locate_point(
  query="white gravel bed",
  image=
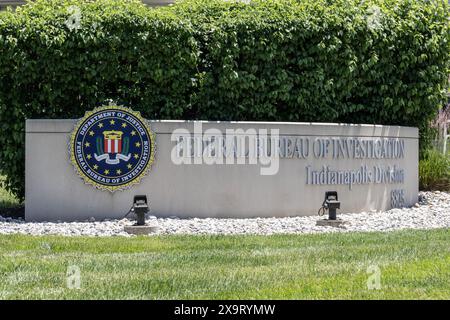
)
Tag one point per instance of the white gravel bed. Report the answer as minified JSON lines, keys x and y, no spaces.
{"x":433,"y":211}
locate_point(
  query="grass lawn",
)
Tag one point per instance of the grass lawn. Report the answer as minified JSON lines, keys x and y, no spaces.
{"x":412,"y":264}
{"x":9,"y":205}
{"x":7,"y":200}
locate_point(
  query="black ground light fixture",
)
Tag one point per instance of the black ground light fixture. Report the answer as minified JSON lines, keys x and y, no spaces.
{"x":331,"y":203}
{"x":140,"y":208}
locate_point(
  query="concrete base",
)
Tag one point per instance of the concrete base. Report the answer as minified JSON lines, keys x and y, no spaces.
{"x":141,"y":230}
{"x":54,"y":191}
{"x":338,"y":223}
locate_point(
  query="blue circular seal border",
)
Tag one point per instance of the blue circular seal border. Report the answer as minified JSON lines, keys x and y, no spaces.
{"x":112,"y":148}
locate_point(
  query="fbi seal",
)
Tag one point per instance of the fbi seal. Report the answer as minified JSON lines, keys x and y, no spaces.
{"x":112,"y":148}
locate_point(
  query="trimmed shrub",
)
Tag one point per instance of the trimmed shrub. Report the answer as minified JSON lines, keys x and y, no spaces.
{"x":382,"y":62}
{"x":55,"y":63}
{"x":434,"y":171}
{"x":375,"y":61}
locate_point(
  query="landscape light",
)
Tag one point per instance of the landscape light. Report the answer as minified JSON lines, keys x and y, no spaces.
{"x":140,"y":208}
{"x":331,"y":203}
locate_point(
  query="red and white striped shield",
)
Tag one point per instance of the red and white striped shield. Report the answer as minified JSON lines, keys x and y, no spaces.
{"x":113,"y":141}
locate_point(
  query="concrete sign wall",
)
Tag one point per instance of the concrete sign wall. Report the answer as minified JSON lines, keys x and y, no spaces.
{"x":232,"y":169}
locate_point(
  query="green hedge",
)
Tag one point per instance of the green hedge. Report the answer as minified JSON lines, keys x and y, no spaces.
{"x":377,"y":62}
{"x":122,"y":51}
{"x":372,"y":61}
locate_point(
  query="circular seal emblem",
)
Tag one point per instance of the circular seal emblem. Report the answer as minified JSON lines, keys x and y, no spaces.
{"x":112,"y":148}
